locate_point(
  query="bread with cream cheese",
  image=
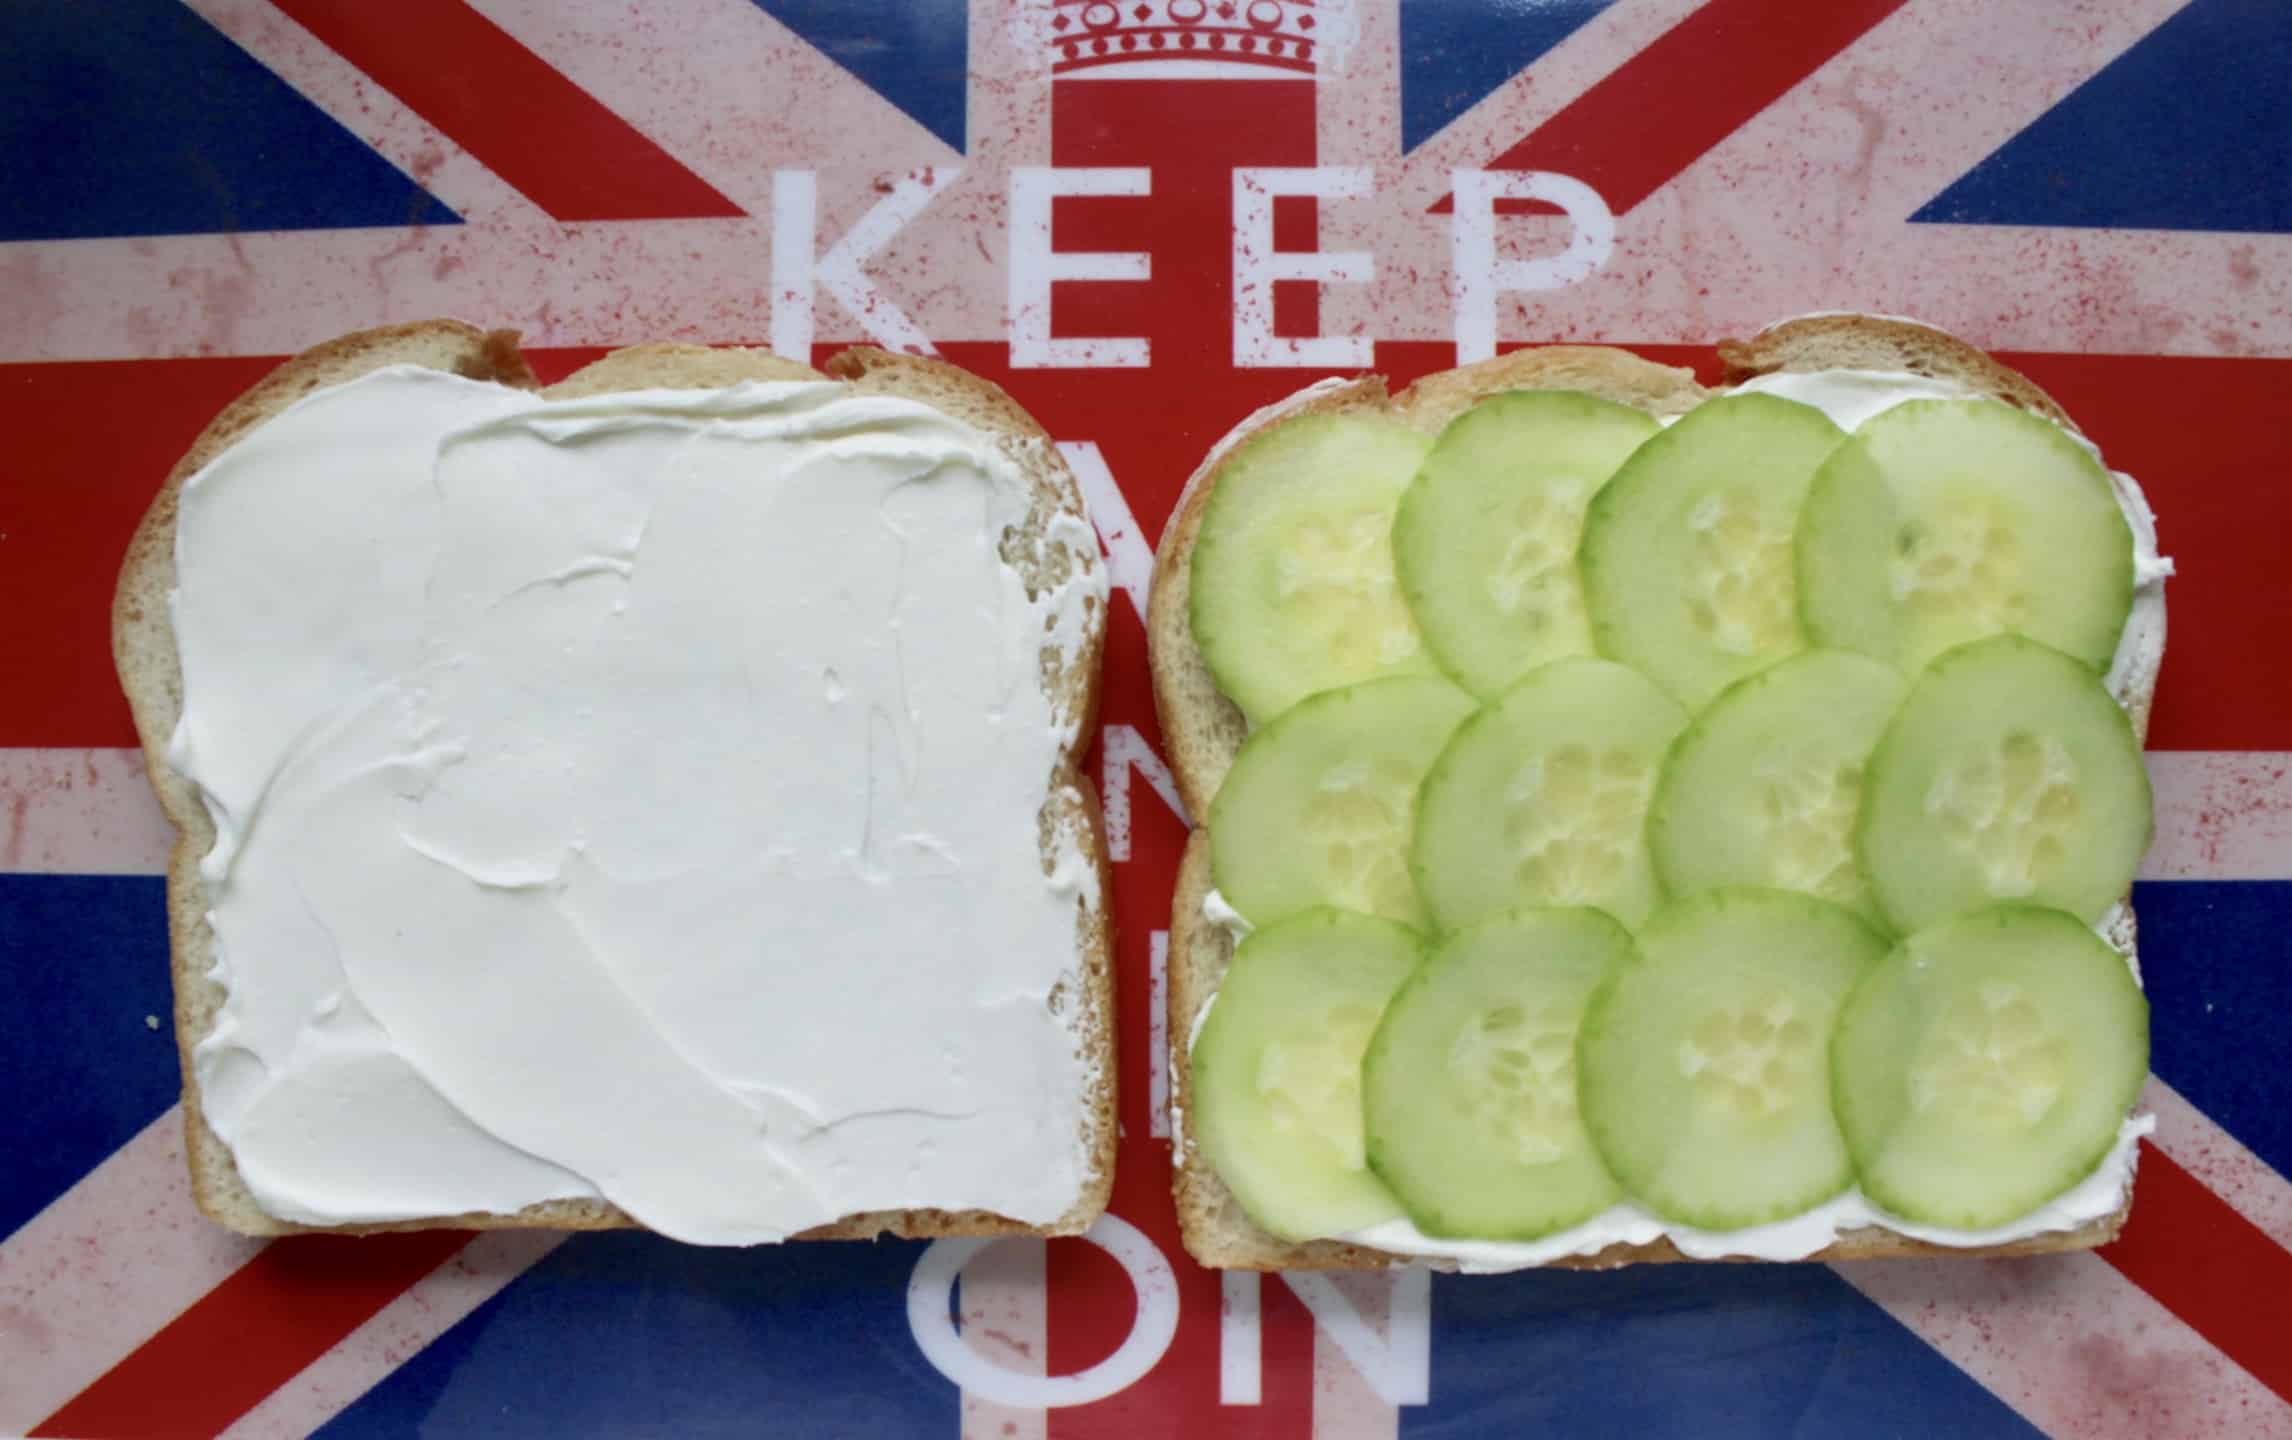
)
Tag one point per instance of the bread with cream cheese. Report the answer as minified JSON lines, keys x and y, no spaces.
{"x":1203,"y":730}
{"x":150,"y":672}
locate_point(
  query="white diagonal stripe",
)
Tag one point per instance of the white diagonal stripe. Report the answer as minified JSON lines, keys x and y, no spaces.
{"x":2073,"y":1346}
{"x":396,"y":1333}
{"x":714,"y":91}
{"x":435,"y":161}
{"x":105,"y":1267}
{"x":1807,"y":204}
{"x":2220,"y":1162}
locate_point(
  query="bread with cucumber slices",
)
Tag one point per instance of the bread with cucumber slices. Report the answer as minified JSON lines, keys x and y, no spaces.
{"x":1360,"y":473}
{"x":1067,"y":825}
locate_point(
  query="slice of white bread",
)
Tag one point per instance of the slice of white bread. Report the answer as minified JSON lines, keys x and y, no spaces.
{"x":143,"y":644}
{"x":1203,"y":730}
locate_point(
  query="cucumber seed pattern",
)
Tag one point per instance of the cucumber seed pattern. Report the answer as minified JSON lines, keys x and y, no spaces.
{"x":1807,"y":806}
{"x":1310,"y":1083}
{"x":1744,"y":598}
{"x":1535,"y":580}
{"x":1573,"y":817}
{"x":1751,"y":1063}
{"x":1360,"y":819}
{"x":1335,"y":580}
{"x":1992,"y":1060}
{"x":1966,"y":566}
{"x":1519,"y":1067}
{"x":2011,"y":811}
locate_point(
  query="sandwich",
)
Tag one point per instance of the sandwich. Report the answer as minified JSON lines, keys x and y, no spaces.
{"x":649,"y":800}
{"x":1643,"y":822}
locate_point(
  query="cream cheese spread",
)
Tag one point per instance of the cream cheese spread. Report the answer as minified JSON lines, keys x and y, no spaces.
{"x":1850,"y":398}
{"x":2098,"y":1194}
{"x":637,"y":798}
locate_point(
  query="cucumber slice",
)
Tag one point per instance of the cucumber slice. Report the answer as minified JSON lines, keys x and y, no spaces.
{"x":1687,"y":551}
{"x":1945,"y":521}
{"x":1485,"y":539}
{"x":1765,"y":786}
{"x":1985,"y":1067}
{"x":1320,"y":805}
{"x":1702,"y":1068}
{"x":1541,"y":798}
{"x":1293,"y":588}
{"x":2008,"y":774}
{"x":1469,"y":1088}
{"x":1277,"y":1070}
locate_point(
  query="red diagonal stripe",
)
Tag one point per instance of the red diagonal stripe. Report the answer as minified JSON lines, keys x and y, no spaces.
{"x":282,"y":1310}
{"x":1666,"y":107}
{"x":2210,"y":1266}
{"x":530,"y":125}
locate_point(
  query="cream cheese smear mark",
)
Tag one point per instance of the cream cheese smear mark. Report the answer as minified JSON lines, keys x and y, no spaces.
{"x":634,"y":798}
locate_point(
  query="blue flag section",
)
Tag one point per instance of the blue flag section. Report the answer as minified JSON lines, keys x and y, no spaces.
{"x":87,"y":956}
{"x":1455,"y":53}
{"x":2218,"y":998}
{"x":2137,"y":147}
{"x":137,"y":117}
{"x":914,"y":53}
{"x":629,"y":1334}
{"x":1711,"y":1351}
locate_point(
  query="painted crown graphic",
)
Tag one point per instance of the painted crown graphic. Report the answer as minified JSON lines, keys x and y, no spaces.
{"x":1273,"y":35}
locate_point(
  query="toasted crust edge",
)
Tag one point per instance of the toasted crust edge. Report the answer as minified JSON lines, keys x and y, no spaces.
{"x":1883,"y":342}
{"x":1211,"y":1223}
{"x":144,"y":652}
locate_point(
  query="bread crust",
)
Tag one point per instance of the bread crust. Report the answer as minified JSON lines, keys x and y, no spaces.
{"x":143,"y":643}
{"x":1883,"y":343}
{"x":1204,"y":734}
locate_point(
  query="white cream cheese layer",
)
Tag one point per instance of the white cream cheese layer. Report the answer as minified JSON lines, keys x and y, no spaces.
{"x":2098,"y":1194}
{"x":633,"y":798}
{"x":1850,"y":398}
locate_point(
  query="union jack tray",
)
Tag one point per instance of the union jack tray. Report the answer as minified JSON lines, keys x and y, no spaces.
{"x":1145,"y":219}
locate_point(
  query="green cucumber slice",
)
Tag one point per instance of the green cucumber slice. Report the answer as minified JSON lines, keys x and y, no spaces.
{"x":1277,"y":1070}
{"x":1944,"y":521}
{"x":1702,"y":1068}
{"x":1320,"y":805}
{"x":1986,"y":1066}
{"x":1686,"y":556}
{"x":2008,"y":774}
{"x":1292,"y":573}
{"x":1485,"y":539}
{"x":1469,"y":1088}
{"x":1541,"y":798}
{"x":1764,"y":788}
